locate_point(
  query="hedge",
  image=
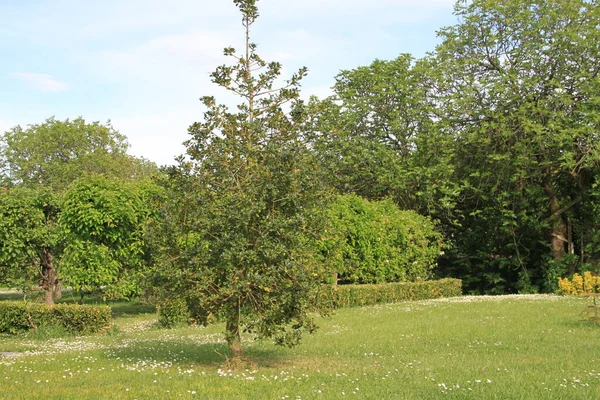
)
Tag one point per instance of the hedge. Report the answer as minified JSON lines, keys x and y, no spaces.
{"x":339,"y":296}
{"x":329,"y":297}
{"x":18,"y":316}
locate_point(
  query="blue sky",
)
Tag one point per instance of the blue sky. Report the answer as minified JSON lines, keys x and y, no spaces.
{"x":143,"y":64}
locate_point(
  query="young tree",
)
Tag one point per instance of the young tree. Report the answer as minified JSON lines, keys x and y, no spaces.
{"x":244,"y":252}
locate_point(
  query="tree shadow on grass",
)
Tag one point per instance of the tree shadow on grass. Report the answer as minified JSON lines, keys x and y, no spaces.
{"x":581,"y":323}
{"x":189,"y":354}
{"x":133,"y":308}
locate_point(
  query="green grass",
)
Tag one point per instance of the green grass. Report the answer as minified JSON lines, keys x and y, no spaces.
{"x":486,"y":348}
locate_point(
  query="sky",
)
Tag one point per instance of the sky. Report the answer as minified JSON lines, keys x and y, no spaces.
{"x":144,"y":64}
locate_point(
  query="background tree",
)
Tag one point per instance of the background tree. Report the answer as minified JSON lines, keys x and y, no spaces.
{"x":55,"y":153}
{"x":520,"y":94}
{"x":378,"y":136}
{"x":103,"y":222}
{"x":247,"y":253}
{"x":46,"y":159}
{"x":29,"y":238}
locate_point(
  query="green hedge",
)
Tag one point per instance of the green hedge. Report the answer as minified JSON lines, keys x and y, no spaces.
{"x":339,"y":296}
{"x":18,"y":316}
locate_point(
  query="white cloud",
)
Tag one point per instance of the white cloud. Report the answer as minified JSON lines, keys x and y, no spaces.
{"x":141,"y":15}
{"x":166,"y":59}
{"x":43,"y":82}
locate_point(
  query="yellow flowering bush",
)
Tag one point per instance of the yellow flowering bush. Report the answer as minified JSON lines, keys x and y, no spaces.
{"x":587,"y":284}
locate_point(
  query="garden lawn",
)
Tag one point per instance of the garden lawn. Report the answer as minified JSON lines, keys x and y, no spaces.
{"x":507,"y":347}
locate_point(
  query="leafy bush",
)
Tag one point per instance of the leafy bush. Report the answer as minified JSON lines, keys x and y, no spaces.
{"x":18,"y":316}
{"x":376,"y":242}
{"x":103,"y":221}
{"x":339,"y":296}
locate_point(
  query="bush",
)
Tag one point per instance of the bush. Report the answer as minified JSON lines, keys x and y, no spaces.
{"x":376,"y":242}
{"x":18,"y":316}
{"x":339,"y":296}
{"x":579,"y":285}
{"x":586,"y":285}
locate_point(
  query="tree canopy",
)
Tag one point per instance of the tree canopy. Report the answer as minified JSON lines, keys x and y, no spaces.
{"x":55,"y":153}
{"x":103,"y":222}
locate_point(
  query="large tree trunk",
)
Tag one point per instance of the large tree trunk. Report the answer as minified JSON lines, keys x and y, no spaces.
{"x":50,"y":279}
{"x":558,"y":227}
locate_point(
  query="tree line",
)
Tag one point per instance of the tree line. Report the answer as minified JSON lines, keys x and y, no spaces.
{"x":477,"y":161}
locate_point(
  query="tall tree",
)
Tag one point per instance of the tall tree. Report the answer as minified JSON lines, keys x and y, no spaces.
{"x":520,"y":90}
{"x":244,"y":252}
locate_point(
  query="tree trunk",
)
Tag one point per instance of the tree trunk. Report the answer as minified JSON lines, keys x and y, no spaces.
{"x":570,"y":236}
{"x":232,"y":328}
{"x":558,"y":228}
{"x":50,"y":279}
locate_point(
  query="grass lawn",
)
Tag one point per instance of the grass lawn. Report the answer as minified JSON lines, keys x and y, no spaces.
{"x":509,"y":347}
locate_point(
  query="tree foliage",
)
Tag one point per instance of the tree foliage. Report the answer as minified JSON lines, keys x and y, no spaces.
{"x":375,"y":242}
{"x":55,"y":153}
{"x":103,"y":222}
{"x":520,"y":88}
{"x":378,"y":136}
{"x":88,"y":238}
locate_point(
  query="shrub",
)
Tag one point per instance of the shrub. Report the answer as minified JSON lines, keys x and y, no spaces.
{"x":376,"y":242}
{"x":586,"y":285}
{"x":579,"y":285}
{"x":339,"y":296}
{"x":18,"y":316}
